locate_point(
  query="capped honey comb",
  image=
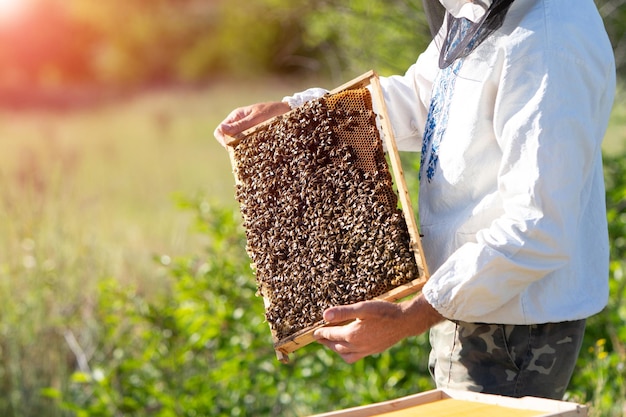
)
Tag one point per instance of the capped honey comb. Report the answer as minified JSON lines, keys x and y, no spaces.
{"x":322,"y":220}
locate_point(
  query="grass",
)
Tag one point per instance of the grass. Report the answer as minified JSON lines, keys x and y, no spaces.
{"x":111,"y":174}
{"x":90,"y":194}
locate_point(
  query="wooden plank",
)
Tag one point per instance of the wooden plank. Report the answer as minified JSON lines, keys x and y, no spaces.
{"x":388,"y":406}
{"x":450,"y":407}
{"x":564,"y":408}
{"x":359,"y":82}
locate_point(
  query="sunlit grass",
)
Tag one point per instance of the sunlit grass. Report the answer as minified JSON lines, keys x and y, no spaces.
{"x":113,"y":172}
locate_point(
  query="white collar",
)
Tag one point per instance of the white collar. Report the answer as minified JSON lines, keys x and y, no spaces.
{"x":472,"y":10}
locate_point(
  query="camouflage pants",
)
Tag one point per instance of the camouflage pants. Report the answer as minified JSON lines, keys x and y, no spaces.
{"x":511,"y":360}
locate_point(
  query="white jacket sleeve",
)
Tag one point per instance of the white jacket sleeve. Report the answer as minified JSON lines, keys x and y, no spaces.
{"x":407,"y":99}
{"x":298,"y":99}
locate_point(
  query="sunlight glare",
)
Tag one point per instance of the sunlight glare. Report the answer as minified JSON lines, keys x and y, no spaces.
{"x":11,"y":9}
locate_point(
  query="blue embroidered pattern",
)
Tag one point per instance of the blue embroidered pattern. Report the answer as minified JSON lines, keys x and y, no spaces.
{"x":437,"y":119}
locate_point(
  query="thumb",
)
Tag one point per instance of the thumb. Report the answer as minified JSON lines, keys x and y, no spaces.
{"x":343,"y":313}
{"x":230,"y":128}
{"x":360,"y":310}
{"x":222,"y":132}
{"x":235,"y":126}
{"x":236,"y":121}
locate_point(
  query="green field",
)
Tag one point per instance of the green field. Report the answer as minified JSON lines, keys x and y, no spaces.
{"x":92,"y":194}
{"x":107,"y":178}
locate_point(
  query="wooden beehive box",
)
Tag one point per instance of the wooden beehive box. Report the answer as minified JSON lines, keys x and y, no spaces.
{"x":320,"y":209}
{"x":451,"y":403}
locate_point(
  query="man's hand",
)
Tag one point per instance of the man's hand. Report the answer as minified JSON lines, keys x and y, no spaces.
{"x":246,"y":117}
{"x":375,"y":326}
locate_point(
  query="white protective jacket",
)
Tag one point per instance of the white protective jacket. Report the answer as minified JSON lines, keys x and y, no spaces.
{"x":511,"y":200}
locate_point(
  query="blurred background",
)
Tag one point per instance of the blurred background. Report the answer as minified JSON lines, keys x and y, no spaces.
{"x":125,"y":286}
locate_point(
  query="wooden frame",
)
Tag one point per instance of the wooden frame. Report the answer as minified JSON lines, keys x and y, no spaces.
{"x":463,"y":404}
{"x":299,"y":339}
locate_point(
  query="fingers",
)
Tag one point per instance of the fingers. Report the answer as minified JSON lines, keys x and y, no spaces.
{"x":219,"y":135}
{"x":234,"y":123}
{"x":361,"y":310}
{"x":343,"y":349}
{"x":238,"y":121}
{"x":339,"y":334}
{"x":337,"y":338}
{"x":244,"y":118}
{"x":223,"y":131}
{"x":371,"y":328}
{"x":340,"y":314}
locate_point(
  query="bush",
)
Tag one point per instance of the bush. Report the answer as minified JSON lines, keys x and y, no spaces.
{"x":601,"y":376}
{"x":204,"y":349}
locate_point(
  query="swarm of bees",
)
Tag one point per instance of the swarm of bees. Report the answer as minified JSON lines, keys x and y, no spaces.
{"x":321,"y":217}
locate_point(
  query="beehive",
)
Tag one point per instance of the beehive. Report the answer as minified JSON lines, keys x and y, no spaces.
{"x":453,"y":403}
{"x":321,"y":214}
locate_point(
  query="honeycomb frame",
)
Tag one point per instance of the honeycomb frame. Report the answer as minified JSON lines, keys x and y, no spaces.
{"x":365,"y":152}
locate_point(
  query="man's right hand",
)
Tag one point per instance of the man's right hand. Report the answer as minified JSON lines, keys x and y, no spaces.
{"x":246,"y":117}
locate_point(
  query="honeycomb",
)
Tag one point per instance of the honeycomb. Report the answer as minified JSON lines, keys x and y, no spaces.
{"x":320,"y":212}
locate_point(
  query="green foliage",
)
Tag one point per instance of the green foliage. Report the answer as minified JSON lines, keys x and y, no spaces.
{"x":363,"y":34}
{"x":139,"y":42}
{"x":250,"y":45}
{"x":135,"y":42}
{"x":601,"y":376}
{"x":614,"y":14}
{"x":122,"y":43}
{"x":204,"y":349}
